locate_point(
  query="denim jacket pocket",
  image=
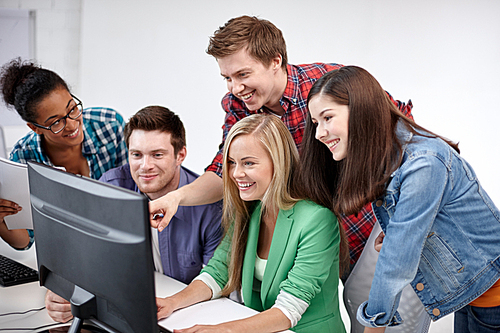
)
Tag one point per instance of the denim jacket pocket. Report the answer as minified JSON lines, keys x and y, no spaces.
{"x":440,"y":262}
{"x":384,"y":208}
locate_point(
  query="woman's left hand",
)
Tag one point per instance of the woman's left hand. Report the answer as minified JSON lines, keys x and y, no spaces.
{"x":378,"y":241}
{"x":225,"y":328}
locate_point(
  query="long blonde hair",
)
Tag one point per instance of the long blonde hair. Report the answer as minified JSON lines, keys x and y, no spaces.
{"x":282,"y":192}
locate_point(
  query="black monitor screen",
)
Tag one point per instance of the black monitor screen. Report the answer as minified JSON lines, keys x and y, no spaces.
{"x":93,"y":247}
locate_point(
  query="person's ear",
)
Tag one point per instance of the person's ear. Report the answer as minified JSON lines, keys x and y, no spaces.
{"x":181,"y":155}
{"x":34,"y":128}
{"x":277,"y":62}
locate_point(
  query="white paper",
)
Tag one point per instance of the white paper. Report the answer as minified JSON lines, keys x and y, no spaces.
{"x":14,"y":186}
{"x":207,"y":313}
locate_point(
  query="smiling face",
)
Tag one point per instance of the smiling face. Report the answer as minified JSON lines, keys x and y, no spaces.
{"x":331,"y":120}
{"x":256,"y":84}
{"x":250,"y":167}
{"x":153,"y":165}
{"x":52,"y":108}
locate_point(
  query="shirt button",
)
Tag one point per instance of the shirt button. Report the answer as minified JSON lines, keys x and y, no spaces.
{"x":436,"y":312}
{"x":379,"y":203}
{"x":420,"y":287}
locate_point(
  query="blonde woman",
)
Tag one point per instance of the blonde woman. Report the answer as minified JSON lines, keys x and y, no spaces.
{"x":279,"y":250}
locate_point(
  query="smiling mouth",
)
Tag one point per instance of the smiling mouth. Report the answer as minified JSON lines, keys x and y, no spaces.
{"x":74,"y":134}
{"x":147,"y":177}
{"x":332,"y":144}
{"x":247,"y":96}
{"x":245,"y":186}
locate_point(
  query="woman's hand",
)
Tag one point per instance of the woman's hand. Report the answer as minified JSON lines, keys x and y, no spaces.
{"x":374,"y":329}
{"x":8,"y":207}
{"x":17,"y":238}
{"x":378,"y":241}
{"x":224,"y":328}
{"x":165,"y":307}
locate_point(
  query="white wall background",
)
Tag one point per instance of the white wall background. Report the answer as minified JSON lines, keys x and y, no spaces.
{"x":443,"y":55}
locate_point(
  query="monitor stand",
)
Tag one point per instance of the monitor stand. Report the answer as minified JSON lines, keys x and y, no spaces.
{"x":83,"y":306}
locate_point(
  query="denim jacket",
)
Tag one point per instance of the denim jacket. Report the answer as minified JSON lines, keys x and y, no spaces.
{"x":442,"y":234}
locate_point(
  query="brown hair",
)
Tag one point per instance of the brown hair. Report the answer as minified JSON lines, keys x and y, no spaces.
{"x":159,"y":118}
{"x":262,"y":39}
{"x":373,"y":151}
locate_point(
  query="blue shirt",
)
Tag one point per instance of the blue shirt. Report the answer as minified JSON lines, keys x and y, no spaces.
{"x":103,"y":144}
{"x":442,"y":234}
{"x":193,"y":234}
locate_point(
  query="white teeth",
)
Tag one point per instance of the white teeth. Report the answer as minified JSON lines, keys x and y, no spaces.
{"x":332,"y":143}
{"x":244,"y":185}
{"x":247,"y":96}
{"x":74,"y":133}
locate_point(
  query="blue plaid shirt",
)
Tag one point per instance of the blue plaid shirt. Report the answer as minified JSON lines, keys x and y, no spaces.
{"x":103,"y":145}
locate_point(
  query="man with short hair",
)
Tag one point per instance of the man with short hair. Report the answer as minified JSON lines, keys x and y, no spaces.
{"x":156,"y":142}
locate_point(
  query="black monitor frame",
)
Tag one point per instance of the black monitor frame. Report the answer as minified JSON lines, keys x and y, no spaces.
{"x":93,"y":247}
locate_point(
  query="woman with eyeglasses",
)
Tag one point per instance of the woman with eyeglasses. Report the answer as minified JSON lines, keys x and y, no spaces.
{"x":86,"y":142}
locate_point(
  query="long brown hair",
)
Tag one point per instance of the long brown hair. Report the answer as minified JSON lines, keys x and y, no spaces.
{"x":373,"y":151}
{"x":283,"y":191}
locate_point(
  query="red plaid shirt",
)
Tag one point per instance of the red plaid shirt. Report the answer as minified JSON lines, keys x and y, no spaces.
{"x":294,"y":101}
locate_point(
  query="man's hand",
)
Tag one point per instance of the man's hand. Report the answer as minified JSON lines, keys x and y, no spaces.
{"x":166,"y":206}
{"x":378,"y":241}
{"x":58,"y":308}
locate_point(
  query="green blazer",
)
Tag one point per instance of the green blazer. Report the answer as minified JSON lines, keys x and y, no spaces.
{"x":303,"y":261}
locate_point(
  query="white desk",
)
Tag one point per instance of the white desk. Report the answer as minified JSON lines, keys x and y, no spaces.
{"x":30,"y":296}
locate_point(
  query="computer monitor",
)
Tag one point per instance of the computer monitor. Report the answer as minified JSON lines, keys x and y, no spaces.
{"x":93,"y":247}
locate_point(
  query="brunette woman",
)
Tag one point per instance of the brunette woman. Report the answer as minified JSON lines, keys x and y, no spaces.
{"x":442,"y":231}
{"x":63,"y":134}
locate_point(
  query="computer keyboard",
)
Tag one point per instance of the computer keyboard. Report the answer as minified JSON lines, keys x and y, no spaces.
{"x":13,"y":272}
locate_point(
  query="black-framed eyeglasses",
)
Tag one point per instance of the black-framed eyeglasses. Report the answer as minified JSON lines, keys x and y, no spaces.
{"x":58,"y":125}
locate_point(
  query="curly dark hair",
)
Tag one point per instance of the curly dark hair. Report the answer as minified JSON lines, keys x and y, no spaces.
{"x":24,"y":84}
